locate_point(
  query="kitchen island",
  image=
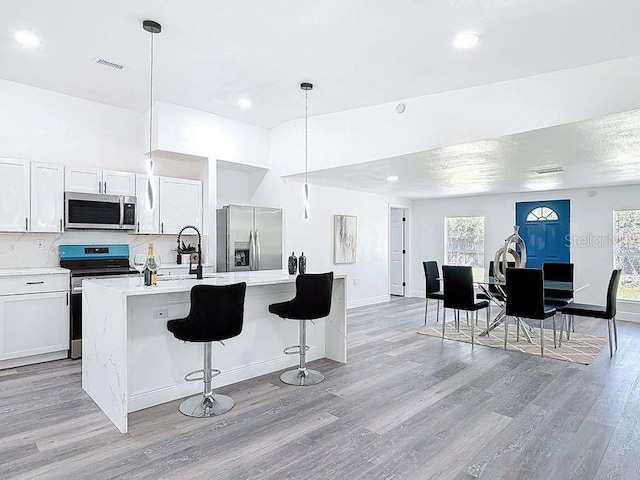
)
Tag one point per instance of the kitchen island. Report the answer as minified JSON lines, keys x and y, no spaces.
{"x":130,"y":361}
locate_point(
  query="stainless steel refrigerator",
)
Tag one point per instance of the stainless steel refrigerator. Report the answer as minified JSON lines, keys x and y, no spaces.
{"x":249,"y":238}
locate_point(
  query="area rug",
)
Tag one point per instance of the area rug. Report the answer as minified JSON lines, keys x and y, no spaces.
{"x":581,"y":348}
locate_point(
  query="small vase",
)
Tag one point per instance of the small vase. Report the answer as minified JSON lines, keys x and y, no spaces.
{"x":293,"y":264}
{"x":302,"y":264}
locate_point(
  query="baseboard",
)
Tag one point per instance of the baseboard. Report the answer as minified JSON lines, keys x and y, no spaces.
{"x":184,"y":389}
{"x":363,"y":302}
{"x":628,"y":316}
{"x":416,"y":294}
{"x":30,"y":360}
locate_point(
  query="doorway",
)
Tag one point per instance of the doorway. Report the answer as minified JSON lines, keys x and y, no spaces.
{"x":397,"y":251}
{"x":545,"y":227}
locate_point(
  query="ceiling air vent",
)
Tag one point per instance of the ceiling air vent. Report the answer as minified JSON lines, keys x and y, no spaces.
{"x":107,"y":63}
{"x":546,"y":170}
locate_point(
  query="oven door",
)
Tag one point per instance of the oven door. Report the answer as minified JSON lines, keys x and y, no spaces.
{"x":98,"y":212}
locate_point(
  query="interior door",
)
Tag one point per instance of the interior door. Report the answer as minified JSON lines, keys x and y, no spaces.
{"x":268,"y":227}
{"x":397,"y":249}
{"x":545,"y":228}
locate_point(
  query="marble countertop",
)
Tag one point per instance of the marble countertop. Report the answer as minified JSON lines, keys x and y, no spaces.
{"x":15,"y":272}
{"x":130,"y":286}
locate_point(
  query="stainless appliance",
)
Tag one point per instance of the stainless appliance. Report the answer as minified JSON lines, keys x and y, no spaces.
{"x":99,"y":212}
{"x":85,"y":262}
{"x":249,"y":238}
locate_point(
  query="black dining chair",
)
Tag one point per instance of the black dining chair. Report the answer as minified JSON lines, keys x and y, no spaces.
{"x":558,"y":272}
{"x":432,"y":278}
{"x":459,"y":295}
{"x":606,"y":312}
{"x":525,"y":299}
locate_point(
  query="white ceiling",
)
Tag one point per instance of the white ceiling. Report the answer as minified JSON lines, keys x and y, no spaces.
{"x":357,"y":52}
{"x":598,"y":152}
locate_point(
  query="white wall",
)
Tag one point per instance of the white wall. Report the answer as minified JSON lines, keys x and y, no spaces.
{"x":315,"y":237}
{"x":458,"y":116}
{"x":591,"y":219}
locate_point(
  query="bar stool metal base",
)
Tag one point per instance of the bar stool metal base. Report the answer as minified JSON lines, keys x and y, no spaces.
{"x":301,"y":378}
{"x":206,"y":406}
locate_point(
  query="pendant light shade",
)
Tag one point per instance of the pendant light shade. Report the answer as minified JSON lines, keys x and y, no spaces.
{"x":306,"y":87}
{"x":153,"y":28}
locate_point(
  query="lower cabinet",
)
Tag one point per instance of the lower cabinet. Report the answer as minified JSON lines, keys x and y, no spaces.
{"x":33,"y":324}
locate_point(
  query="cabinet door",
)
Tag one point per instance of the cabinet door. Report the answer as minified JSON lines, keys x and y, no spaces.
{"x":118,"y":183}
{"x":180,"y":204}
{"x":148,"y":219}
{"x":14,"y":195}
{"x":33,"y":324}
{"x":47,"y":191}
{"x":83,"y":179}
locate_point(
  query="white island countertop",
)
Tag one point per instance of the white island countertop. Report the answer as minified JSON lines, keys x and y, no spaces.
{"x":19,"y":271}
{"x":130,"y":286}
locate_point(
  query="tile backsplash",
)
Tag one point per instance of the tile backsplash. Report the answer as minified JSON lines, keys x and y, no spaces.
{"x":19,"y":250}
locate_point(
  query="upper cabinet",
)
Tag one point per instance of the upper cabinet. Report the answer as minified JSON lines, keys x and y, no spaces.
{"x":96,"y":180}
{"x":47,"y":194}
{"x":14,"y":195}
{"x":148,"y":220}
{"x":180,"y":204}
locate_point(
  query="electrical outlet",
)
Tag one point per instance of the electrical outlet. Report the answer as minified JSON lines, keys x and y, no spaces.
{"x":355,"y":282}
{"x":161,"y":313}
{"x":40,"y":244}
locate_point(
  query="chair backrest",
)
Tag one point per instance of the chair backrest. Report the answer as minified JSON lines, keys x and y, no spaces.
{"x":431,"y":275}
{"x":559,"y":272}
{"x":525,"y":292}
{"x":313,"y":291}
{"x":612,"y":293}
{"x":458,"y":287}
{"x":494,"y":288}
{"x":217,"y":311}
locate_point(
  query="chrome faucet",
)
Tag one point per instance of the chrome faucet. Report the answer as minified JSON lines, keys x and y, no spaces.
{"x":198,"y":269}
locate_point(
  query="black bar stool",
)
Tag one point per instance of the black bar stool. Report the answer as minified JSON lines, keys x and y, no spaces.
{"x":216,"y":313}
{"x":312,"y":301}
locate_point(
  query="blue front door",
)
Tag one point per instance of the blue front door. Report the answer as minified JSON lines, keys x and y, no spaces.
{"x":544,"y":226}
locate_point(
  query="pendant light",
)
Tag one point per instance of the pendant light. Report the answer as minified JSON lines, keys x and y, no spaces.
{"x":153,"y":28}
{"x":306,"y":87}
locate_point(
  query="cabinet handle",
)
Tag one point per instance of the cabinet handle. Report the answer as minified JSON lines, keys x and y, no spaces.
{"x":60,"y":224}
{"x":35,"y":283}
{"x":105,"y":187}
{"x":162,"y":227}
{"x":99,"y":186}
{"x":138,"y":227}
{"x":26,"y":223}
{"x":67,"y":299}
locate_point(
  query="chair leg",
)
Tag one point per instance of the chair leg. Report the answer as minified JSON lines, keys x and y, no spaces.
{"x":438,"y":311}
{"x":472,"y":326}
{"x":426,"y":307}
{"x":561,"y":330}
{"x":467,"y":315}
{"x":444,"y":320}
{"x":569,"y":324}
{"x":610,"y":340}
{"x":488,"y":318}
{"x":302,"y":375}
{"x":615,"y":332}
{"x":517,"y":330}
{"x":555,"y":341}
{"x":542,"y":338}
{"x":506,"y":330}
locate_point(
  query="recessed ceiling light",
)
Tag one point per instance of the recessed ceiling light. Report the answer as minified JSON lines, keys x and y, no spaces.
{"x":244,"y":103}
{"x":466,"y":40}
{"x":28,"y":39}
{"x":392,"y":178}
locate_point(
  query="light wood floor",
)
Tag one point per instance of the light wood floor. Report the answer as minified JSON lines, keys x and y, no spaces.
{"x":406,"y":406}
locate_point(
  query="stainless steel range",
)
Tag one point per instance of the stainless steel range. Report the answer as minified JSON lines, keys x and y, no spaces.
{"x":85,"y":262}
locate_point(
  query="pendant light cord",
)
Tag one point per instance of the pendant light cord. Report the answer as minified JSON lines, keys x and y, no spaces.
{"x":151,"y":98}
{"x":306,"y":136}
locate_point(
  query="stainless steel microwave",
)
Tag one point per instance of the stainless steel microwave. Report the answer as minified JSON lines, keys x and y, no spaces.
{"x":91,"y":211}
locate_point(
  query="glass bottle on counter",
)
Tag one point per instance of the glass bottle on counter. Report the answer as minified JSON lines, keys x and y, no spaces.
{"x":150,"y":267}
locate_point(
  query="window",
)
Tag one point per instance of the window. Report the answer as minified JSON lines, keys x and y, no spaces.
{"x":626,"y":252}
{"x":464,"y":243}
{"x":542,"y":214}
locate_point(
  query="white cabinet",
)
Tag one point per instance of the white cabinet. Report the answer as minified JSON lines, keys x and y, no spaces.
{"x":148,"y":219}
{"x":47,"y":197}
{"x":96,"y":180}
{"x":34,"y":318}
{"x":14,"y":195}
{"x":180,"y":204}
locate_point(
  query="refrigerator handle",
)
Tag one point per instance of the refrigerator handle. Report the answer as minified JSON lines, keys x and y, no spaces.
{"x":257,"y":258}
{"x":252,"y":248}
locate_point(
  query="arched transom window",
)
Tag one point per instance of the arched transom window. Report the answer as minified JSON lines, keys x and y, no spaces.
{"x":542,"y":214}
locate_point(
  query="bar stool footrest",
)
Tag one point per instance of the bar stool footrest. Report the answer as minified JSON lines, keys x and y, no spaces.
{"x":295,"y":350}
{"x":188,"y":378}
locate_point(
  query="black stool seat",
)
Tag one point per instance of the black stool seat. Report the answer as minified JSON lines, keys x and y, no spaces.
{"x":312,"y":301}
{"x":216,"y":313}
